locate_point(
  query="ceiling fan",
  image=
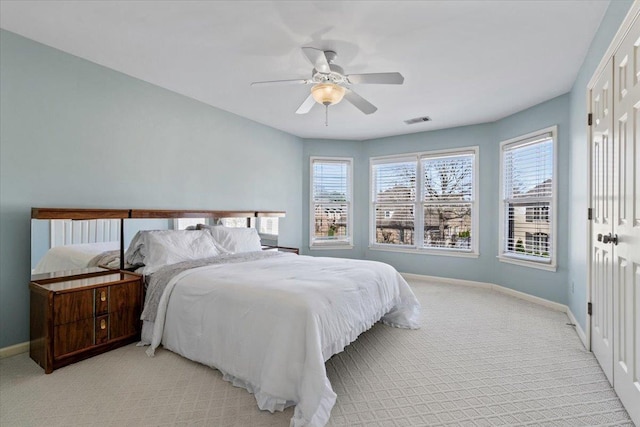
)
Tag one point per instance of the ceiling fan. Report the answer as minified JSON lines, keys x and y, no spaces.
{"x":331,"y":85}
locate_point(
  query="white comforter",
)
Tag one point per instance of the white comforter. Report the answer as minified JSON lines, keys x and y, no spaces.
{"x":269,"y":325}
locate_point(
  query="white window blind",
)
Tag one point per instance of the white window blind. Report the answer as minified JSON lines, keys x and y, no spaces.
{"x":331,"y":191}
{"x":268,"y":225}
{"x":425,"y":201}
{"x":528,"y":199}
{"x":236,"y":222}
{"x":448,"y":201}
{"x":394,"y":197}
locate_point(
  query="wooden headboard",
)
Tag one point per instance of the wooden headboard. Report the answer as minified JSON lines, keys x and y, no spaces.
{"x":163,"y":213}
{"x":80,"y":214}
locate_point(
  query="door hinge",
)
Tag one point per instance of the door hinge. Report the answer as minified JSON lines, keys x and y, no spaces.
{"x":590,"y":214}
{"x":590,"y":119}
{"x":589,"y":309}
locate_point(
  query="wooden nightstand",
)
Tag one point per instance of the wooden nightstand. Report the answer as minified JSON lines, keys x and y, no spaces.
{"x":77,"y":316}
{"x":281,"y":249}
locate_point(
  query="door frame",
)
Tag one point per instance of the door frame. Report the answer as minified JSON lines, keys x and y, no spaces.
{"x":632,"y":14}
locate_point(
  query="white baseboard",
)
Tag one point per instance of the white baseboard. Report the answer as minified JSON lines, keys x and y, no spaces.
{"x":579,"y":331}
{"x":492,"y":286}
{"x":498,"y":288}
{"x":12,"y":350}
{"x":536,"y":300}
{"x":447,"y":280}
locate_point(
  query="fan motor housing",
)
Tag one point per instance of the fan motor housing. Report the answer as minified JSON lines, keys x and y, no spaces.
{"x":335,"y":76}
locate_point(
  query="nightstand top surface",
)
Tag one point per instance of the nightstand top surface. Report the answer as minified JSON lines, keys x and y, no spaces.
{"x":74,"y":283}
{"x":56,"y":275}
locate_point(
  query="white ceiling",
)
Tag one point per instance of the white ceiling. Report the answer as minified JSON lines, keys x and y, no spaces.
{"x":464,"y":62}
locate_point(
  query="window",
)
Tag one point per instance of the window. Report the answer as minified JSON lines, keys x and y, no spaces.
{"x":425,"y":202}
{"x":528,"y":191}
{"x":448,"y":201}
{"x":237,"y":222}
{"x":268,"y":225}
{"x":394,"y":201}
{"x":331,"y":193}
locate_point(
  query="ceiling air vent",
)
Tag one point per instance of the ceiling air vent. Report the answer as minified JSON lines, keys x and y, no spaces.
{"x":418,"y":120}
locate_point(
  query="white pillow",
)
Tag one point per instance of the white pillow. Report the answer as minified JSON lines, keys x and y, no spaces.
{"x":155,"y":249}
{"x":235,"y":240}
{"x":133,"y":255}
{"x":137,"y":250}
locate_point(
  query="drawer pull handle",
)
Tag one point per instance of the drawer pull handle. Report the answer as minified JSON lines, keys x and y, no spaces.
{"x":103,"y":324}
{"x":103,"y":296}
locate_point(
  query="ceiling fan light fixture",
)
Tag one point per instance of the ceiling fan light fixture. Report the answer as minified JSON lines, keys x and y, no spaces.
{"x":327,"y":93}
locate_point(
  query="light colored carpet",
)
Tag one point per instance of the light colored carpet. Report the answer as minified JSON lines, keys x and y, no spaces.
{"x":481,"y":359}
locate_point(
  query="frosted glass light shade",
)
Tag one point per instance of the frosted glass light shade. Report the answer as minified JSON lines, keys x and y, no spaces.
{"x":327,"y":93}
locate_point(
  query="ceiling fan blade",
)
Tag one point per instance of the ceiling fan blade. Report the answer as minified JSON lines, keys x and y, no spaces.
{"x":376,"y":78}
{"x":306,"y":105}
{"x":282,"y":82}
{"x":359,"y":102}
{"x":317,"y":58}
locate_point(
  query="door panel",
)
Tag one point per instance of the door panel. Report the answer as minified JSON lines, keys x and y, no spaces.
{"x":626,"y":254}
{"x":602,"y":225}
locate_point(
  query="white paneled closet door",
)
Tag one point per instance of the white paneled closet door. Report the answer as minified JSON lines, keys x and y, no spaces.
{"x":601,"y":202}
{"x":615,"y":200}
{"x":626,"y":226}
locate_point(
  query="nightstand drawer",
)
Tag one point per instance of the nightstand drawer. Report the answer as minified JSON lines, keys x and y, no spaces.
{"x":102,"y":301}
{"x":124,"y":323}
{"x":72,"y":337}
{"x":102,"y":329}
{"x":125,"y":296}
{"x":72,"y":307}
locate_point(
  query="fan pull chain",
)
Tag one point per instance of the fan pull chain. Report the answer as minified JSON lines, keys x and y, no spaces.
{"x":326,"y":115}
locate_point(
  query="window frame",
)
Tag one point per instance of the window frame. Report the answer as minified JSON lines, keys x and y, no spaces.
{"x":419,"y":203}
{"x":347,"y":242}
{"x":527,"y":260}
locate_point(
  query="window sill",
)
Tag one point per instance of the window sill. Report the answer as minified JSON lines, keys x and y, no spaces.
{"x":414,"y":250}
{"x":525,"y":263}
{"x":333,"y":246}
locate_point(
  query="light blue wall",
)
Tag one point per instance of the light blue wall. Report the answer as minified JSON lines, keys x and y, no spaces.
{"x":77,"y":134}
{"x":544,"y":284}
{"x":578,"y":262}
{"x":486,"y":268}
{"x":479,"y":269}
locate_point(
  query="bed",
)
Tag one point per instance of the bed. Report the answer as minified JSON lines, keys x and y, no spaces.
{"x":267,"y":320}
